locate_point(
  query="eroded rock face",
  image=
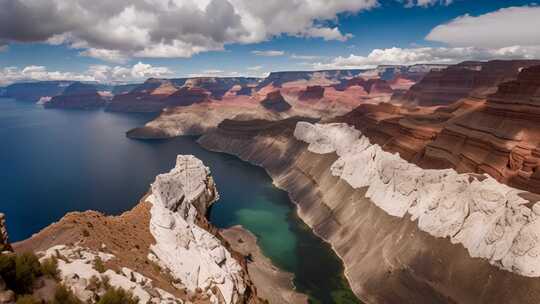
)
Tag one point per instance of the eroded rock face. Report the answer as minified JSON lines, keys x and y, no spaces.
{"x":500,"y":138}
{"x":187,"y":96}
{"x":491,"y":220}
{"x":180,"y":200}
{"x":147,"y":97}
{"x":477,"y":79}
{"x":274,"y":101}
{"x":164,"y":250}
{"x":312,"y":93}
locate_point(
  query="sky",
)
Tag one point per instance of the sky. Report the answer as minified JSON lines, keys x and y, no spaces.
{"x":131,"y":40}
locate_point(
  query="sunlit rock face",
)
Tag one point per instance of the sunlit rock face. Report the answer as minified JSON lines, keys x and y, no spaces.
{"x":197,"y":258}
{"x":491,"y":220}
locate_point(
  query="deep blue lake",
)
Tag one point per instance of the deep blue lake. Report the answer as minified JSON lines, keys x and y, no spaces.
{"x":55,"y":161}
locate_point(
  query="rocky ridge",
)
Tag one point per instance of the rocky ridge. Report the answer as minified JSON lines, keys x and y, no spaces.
{"x":180,"y":200}
{"x":163,"y":251}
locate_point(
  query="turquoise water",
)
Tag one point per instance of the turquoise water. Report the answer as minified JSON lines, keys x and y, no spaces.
{"x":55,"y":161}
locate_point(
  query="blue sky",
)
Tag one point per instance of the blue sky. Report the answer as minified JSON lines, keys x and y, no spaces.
{"x":382,"y":25}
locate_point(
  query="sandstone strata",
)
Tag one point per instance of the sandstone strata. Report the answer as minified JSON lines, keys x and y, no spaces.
{"x":497,"y":135}
{"x":390,"y":259}
{"x":477,"y":79}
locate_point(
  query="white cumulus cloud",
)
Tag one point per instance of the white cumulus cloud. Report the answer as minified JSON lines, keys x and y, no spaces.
{"x":114,"y":30}
{"x":444,"y":55}
{"x":502,"y":28}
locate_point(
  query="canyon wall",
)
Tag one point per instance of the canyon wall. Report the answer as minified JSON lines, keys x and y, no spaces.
{"x":497,"y":135}
{"x":391,"y":255}
{"x":470,"y":78}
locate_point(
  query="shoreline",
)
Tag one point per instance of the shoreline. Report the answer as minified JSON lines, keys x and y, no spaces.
{"x":298,"y":213}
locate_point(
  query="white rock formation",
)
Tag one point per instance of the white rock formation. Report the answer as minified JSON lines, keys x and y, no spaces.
{"x":488,"y":218}
{"x":197,"y":258}
{"x":76,"y":265}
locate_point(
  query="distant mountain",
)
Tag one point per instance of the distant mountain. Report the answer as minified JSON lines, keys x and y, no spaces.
{"x":155,"y":94}
{"x":77,"y":96}
{"x":33,"y":91}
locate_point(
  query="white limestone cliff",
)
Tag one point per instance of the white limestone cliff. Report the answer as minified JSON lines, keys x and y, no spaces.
{"x":193,"y":255}
{"x":491,"y":220}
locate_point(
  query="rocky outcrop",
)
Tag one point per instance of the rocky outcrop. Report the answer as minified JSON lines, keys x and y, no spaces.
{"x":163,"y":251}
{"x":312,"y":93}
{"x":476,"y":79}
{"x":180,"y":200}
{"x":388,"y":258}
{"x":4,"y":238}
{"x":274,"y":101}
{"x":6,"y":296}
{"x":77,"y":96}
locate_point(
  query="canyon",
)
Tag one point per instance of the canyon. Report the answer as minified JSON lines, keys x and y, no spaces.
{"x":423,"y":179}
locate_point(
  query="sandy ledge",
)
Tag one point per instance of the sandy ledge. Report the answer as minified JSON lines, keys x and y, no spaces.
{"x":273,"y":284}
